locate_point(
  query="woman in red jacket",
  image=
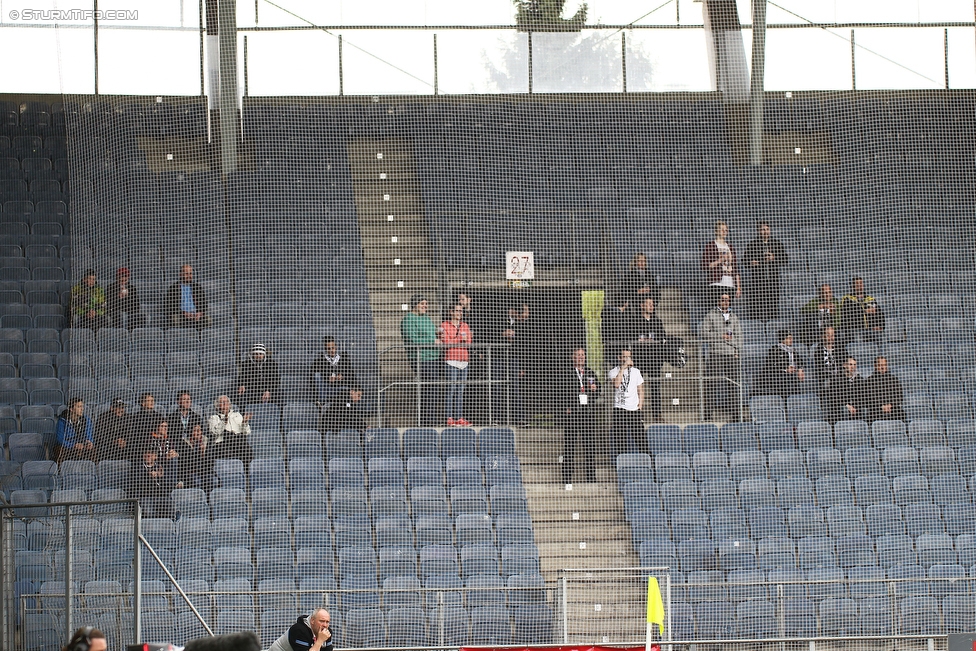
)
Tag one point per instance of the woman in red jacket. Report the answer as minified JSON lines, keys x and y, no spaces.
{"x":456,"y":335}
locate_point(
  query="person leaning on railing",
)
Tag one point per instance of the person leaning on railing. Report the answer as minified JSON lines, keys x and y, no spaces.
{"x":419,"y":337}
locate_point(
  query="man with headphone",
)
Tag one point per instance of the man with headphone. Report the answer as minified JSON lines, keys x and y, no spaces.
{"x":87,"y":638}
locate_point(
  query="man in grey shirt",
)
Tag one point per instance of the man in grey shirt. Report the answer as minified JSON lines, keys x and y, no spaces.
{"x":722,"y":332}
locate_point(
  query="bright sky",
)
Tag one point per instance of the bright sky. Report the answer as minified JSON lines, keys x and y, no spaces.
{"x":136,"y":57}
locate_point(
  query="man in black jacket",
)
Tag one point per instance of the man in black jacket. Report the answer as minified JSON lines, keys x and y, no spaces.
{"x":578,"y":390}
{"x":310,"y":633}
{"x":186,"y":303}
{"x":849,"y":400}
{"x":765,"y":257}
{"x":332,"y":373}
{"x":112,"y":433}
{"x":883,"y":393}
{"x":648,"y":336}
{"x":782,"y":373}
{"x":345,"y":414}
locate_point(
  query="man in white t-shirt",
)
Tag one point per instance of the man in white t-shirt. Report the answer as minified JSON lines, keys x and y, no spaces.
{"x":628,"y":401}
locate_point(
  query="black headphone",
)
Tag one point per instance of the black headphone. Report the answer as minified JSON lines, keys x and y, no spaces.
{"x":81,"y":641}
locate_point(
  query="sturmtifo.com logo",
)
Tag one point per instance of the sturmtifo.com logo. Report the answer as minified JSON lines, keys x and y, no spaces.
{"x":73,"y":15}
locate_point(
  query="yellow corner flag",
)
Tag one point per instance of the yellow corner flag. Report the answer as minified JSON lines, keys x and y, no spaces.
{"x":655,"y":605}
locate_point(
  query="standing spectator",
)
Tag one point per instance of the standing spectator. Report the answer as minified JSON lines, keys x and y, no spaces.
{"x":628,"y":402}
{"x":88,"y":303}
{"x":507,"y":365}
{"x":74,"y":433}
{"x":848,"y":394}
{"x":649,"y":337}
{"x":827,"y":362}
{"x":122,"y":305}
{"x":259,"y":378}
{"x":112,"y":433}
{"x":332,"y":373}
{"x":456,"y":335}
{"x":615,"y":324}
{"x":196,"y":460}
{"x":860,"y":317}
{"x":151,"y":482}
{"x":229,"y":432}
{"x":818,"y":314}
{"x":578,"y":391}
{"x":765,"y":258}
{"x":186,"y":302}
{"x":638,"y":283}
{"x":144,"y":422}
{"x":782,"y":374}
{"x":720,"y":266}
{"x":475,"y":394}
{"x":184,"y":418}
{"x":345,"y":414}
{"x":722,"y":332}
{"x":420,"y":339}
{"x":883,"y":393}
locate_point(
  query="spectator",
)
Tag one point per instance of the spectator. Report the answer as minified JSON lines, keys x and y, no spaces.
{"x":722,"y":332}
{"x":186,"y":302}
{"x":122,"y":305}
{"x":112,"y":433}
{"x":151,"y":482}
{"x":507,"y":365}
{"x":860,"y":317}
{"x":159,"y":440}
{"x":720,"y":266}
{"x":456,"y":335}
{"x":628,"y":401}
{"x":144,"y":422}
{"x":883,"y":394}
{"x":92,"y":639}
{"x":578,"y":392}
{"x":765,"y":258}
{"x":848,"y":395}
{"x":782,"y":374}
{"x":638,"y":283}
{"x":185,"y":417}
{"x":826,"y":365}
{"x":475,"y":393}
{"x":649,"y":337}
{"x":818,"y":314}
{"x":74,"y":433}
{"x":196,"y":460}
{"x":229,"y":431}
{"x":259,"y":378}
{"x":88,"y":303}
{"x":310,"y":633}
{"x":332,"y":373}
{"x":419,"y":338}
{"x":615,"y":324}
{"x":345,"y":414}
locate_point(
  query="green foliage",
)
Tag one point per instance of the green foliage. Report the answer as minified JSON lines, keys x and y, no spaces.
{"x":547,"y":16}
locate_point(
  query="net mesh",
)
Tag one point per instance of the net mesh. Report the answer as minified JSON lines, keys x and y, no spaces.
{"x":356,"y":292}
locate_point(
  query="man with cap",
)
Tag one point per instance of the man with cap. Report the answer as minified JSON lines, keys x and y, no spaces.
{"x":259,"y":378}
{"x":88,"y":303}
{"x":420,"y":339}
{"x":112,"y":433}
{"x":122,"y":305}
{"x":332,"y":373}
{"x":186,"y":303}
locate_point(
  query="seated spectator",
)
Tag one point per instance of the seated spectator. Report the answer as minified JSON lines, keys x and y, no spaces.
{"x":638,"y":283}
{"x":883,"y":393}
{"x":229,"y":430}
{"x":861,"y":319}
{"x":185,"y":305}
{"x":184,"y":418}
{"x":648,"y":349}
{"x":849,"y":401}
{"x":122,"y":305}
{"x":782,"y":374}
{"x":345,"y":414}
{"x":420,"y":339}
{"x":196,"y":460}
{"x":827,"y":360}
{"x":722,"y":332}
{"x":112,"y":433}
{"x":151,"y":482}
{"x":74,"y":433}
{"x":259,"y":378}
{"x":159,"y":440}
{"x":456,"y":335}
{"x":332,"y":373}
{"x":818,"y":314}
{"x":143,"y":422}
{"x":720,"y":266}
{"x":88,"y":303}
{"x":765,"y":257}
